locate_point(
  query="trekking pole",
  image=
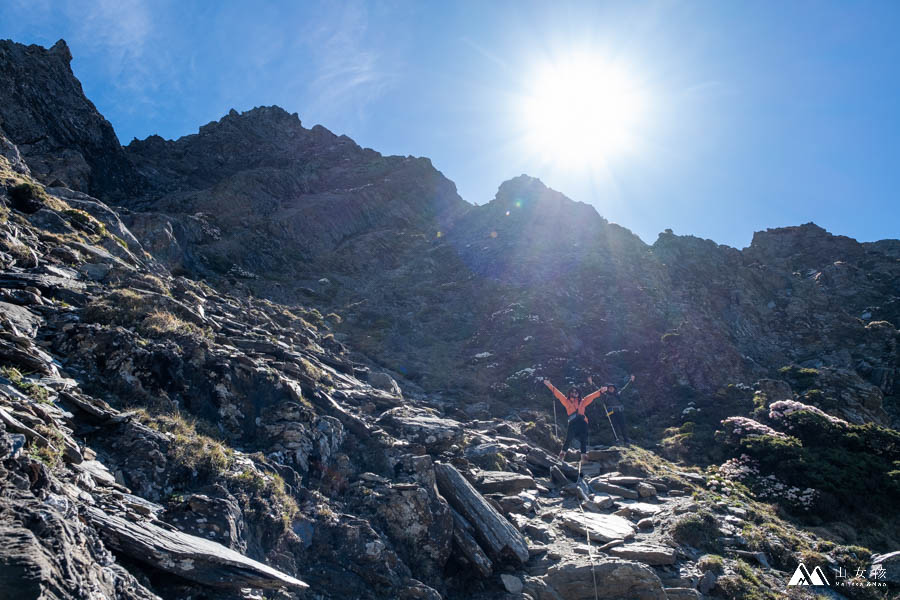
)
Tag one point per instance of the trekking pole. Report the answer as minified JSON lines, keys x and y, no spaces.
{"x":606,"y":410}
{"x":555,"y":424}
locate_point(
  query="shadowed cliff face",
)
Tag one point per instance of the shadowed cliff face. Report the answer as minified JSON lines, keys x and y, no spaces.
{"x":259,"y":191}
{"x":258,"y":204}
{"x":58,"y":131}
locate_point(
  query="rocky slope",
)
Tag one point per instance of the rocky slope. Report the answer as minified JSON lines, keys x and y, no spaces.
{"x":179,"y":419}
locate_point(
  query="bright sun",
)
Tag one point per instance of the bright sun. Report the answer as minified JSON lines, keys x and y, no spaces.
{"x":581,"y":111}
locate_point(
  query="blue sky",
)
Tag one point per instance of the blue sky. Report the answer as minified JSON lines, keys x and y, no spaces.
{"x":755,"y":114}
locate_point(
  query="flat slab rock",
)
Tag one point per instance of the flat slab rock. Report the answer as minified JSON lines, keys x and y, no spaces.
{"x":188,"y":556}
{"x":625,"y":480}
{"x":649,"y":554}
{"x":25,"y":321}
{"x":504,"y":482}
{"x":420,"y":426}
{"x":600,"y":527}
{"x":641,"y":509}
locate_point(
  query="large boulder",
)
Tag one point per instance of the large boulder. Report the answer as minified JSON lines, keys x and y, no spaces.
{"x":383,"y":381}
{"x":217,"y":519}
{"x":418,"y":520}
{"x":573,"y":579}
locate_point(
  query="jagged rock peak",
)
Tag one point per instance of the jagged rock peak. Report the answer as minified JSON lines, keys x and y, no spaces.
{"x":59,"y":132}
{"x":543,"y":208}
{"x":526,"y":194}
{"x":61,"y":48}
{"x":809,"y":245}
{"x":258,"y":118}
{"x":262,"y":122}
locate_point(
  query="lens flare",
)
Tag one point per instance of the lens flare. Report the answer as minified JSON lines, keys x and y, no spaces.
{"x":582,"y":110}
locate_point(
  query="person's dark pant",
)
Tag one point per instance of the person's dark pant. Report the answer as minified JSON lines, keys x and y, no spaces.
{"x":578,"y":428}
{"x":618,"y":421}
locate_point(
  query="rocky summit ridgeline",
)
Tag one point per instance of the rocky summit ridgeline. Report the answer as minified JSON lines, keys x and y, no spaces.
{"x":261,"y":361}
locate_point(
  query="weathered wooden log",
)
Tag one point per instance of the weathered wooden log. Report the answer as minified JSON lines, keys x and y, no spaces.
{"x":187,"y":556}
{"x":466,"y":545}
{"x":494,"y":533}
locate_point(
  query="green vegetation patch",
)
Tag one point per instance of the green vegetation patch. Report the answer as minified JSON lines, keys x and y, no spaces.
{"x":199,"y":453}
{"x":744,"y":584}
{"x":698,"y":530}
{"x":83,"y":221}
{"x":800,"y":378}
{"x":35,"y":391}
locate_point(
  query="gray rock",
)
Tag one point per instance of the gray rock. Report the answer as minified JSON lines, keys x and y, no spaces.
{"x":600,"y":528}
{"x":512,"y":583}
{"x":573,"y":580}
{"x":191,"y":557}
{"x":50,"y":220}
{"x":419,"y":523}
{"x":681,"y":593}
{"x":645,"y":490}
{"x":467,"y":549}
{"x":417,"y":425}
{"x":95,"y":271}
{"x":216,"y":519}
{"x":383,"y":381}
{"x":503,"y":482}
{"x":25,"y":321}
{"x":650,"y":554}
{"x":640,"y":509}
{"x":61,"y":556}
{"x":600,"y":484}
{"x":707,"y":582}
{"x":493,"y":532}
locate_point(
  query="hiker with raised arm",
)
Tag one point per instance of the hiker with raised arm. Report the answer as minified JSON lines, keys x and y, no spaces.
{"x":615,"y":409}
{"x":575,"y":406}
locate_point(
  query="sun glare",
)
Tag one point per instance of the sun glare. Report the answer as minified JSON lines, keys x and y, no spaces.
{"x":581,"y":111}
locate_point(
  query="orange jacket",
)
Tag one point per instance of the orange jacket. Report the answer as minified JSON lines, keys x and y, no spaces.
{"x":572,"y":407}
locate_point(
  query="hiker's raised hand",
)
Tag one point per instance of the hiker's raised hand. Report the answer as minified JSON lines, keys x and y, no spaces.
{"x":590,"y":381}
{"x":632,"y":377}
{"x":547,"y":383}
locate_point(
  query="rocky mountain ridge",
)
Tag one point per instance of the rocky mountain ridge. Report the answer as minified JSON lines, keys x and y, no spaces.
{"x":171,"y":389}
